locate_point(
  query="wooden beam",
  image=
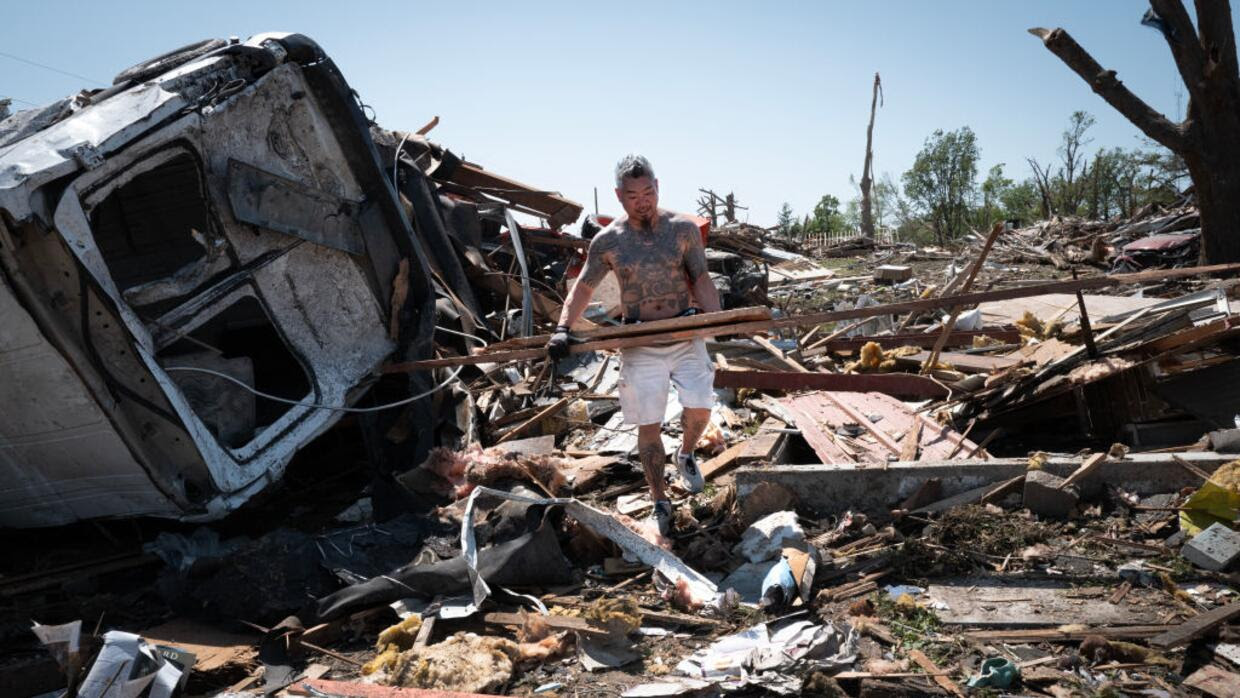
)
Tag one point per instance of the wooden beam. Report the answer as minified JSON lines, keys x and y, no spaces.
{"x":579,"y":625}
{"x":912,"y":440}
{"x":754,"y":327}
{"x":897,"y":384}
{"x":933,"y":670}
{"x":723,"y":462}
{"x":1090,"y":465}
{"x":1196,"y":627}
{"x":775,"y":351}
{"x":536,"y":419}
{"x":354,"y":689}
{"x":764,"y":445}
{"x":1066,"y":634}
{"x":723,"y":317}
{"x":964,"y":288}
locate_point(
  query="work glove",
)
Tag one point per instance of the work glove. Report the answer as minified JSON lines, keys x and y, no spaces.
{"x":557,"y":346}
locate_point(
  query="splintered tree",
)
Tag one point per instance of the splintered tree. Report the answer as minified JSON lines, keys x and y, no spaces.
{"x":867,"y":171}
{"x":711,"y":205}
{"x":1208,"y":139}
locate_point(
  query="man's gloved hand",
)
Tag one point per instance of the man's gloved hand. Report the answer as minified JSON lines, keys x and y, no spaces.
{"x":557,"y":346}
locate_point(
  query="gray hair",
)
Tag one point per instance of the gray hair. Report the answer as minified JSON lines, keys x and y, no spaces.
{"x":633,"y":166}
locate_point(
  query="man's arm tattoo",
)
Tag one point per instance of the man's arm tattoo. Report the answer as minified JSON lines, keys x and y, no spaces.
{"x":597,"y":265}
{"x":694,"y":255}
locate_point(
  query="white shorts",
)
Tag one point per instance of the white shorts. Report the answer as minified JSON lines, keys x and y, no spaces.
{"x":646,"y":372}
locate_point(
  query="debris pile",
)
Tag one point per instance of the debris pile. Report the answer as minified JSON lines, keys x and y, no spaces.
{"x":928,"y":470}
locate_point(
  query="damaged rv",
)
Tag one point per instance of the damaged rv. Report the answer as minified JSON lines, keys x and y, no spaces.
{"x":213,"y":231}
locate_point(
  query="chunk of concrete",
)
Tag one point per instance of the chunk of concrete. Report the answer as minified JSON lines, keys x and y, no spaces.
{"x":767,"y":537}
{"x":1214,"y":548}
{"x":1044,"y":497}
{"x":893,"y":273}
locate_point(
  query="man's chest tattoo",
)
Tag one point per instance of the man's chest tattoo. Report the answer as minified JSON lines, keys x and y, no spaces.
{"x":651,"y":272}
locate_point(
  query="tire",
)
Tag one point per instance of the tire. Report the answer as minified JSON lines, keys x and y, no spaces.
{"x":164,"y":62}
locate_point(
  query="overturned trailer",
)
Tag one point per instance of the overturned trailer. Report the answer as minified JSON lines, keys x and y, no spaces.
{"x":218,"y":218}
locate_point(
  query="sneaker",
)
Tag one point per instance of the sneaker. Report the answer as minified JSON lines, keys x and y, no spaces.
{"x":663,"y":517}
{"x":687,"y":465}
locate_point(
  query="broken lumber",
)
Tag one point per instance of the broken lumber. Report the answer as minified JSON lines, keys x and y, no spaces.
{"x":765,"y":445}
{"x":958,"y":338}
{"x":579,"y":625}
{"x":964,"y":288}
{"x":754,"y":327}
{"x":932,"y":669}
{"x":1065,"y":634}
{"x":781,"y":356}
{"x":1088,"y":467}
{"x":353,"y":689}
{"x":535,"y":420}
{"x":723,"y":462}
{"x":1196,"y":627}
{"x":749,"y":314}
{"x":896,"y":384}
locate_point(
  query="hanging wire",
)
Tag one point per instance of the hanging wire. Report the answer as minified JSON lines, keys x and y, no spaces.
{"x":334,"y":408}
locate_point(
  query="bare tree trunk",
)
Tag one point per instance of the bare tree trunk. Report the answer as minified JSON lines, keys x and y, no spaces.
{"x":1043,"y":179}
{"x":1209,"y":137}
{"x":867,"y":171}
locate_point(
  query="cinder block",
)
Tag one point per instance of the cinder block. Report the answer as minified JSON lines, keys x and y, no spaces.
{"x":1044,"y":498}
{"x":1214,"y":548}
{"x":893,"y":273}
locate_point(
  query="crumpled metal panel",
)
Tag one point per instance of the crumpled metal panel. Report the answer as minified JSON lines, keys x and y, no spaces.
{"x":290,"y":207}
{"x":60,"y":457}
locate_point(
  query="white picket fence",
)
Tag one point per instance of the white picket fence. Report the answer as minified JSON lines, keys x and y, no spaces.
{"x":882,"y":237}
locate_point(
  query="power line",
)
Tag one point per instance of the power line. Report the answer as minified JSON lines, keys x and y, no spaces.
{"x":54,"y":70}
{"x":18,"y":99}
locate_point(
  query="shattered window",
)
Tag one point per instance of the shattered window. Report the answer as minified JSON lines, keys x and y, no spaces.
{"x":156,"y":234}
{"x":239,"y":342}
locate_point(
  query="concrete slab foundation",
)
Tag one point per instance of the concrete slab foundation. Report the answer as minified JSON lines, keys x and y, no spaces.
{"x":876,"y":489}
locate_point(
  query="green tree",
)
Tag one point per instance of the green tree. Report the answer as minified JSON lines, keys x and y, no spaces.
{"x":785,"y":219}
{"x":942,"y":181}
{"x":1021,"y":201}
{"x":990,"y":209}
{"x":827,"y":217}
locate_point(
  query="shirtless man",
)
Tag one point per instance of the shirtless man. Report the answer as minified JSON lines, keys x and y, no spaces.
{"x":658,"y":259}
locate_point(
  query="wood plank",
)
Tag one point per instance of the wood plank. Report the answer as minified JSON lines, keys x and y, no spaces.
{"x":1070,"y":634}
{"x":722,"y":463}
{"x":1003,"y":489}
{"x":1089,"y":466}
{"x":989,"y":601}
{"x":764,"y":445}
{"x":897,"y":384}
{"x":353,"y":689}
{"x":535,"y":420}
{"x":959,"y":338}
{"x":575,"y":624}
{"x":722,"y":317}
{"x":965,"y":363}
{"x":754,"y":327}
{"x":531,"y":446}
{"x":912,"y":442}
{"x":775,"y":351}
{"x":933,"y":670}
{"x":974,"y":269}
{"x":1196,"y":627}
{"x":1216,"y":682}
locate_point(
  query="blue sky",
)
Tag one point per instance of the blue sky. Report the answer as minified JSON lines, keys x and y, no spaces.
{"x":769,"y":100}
